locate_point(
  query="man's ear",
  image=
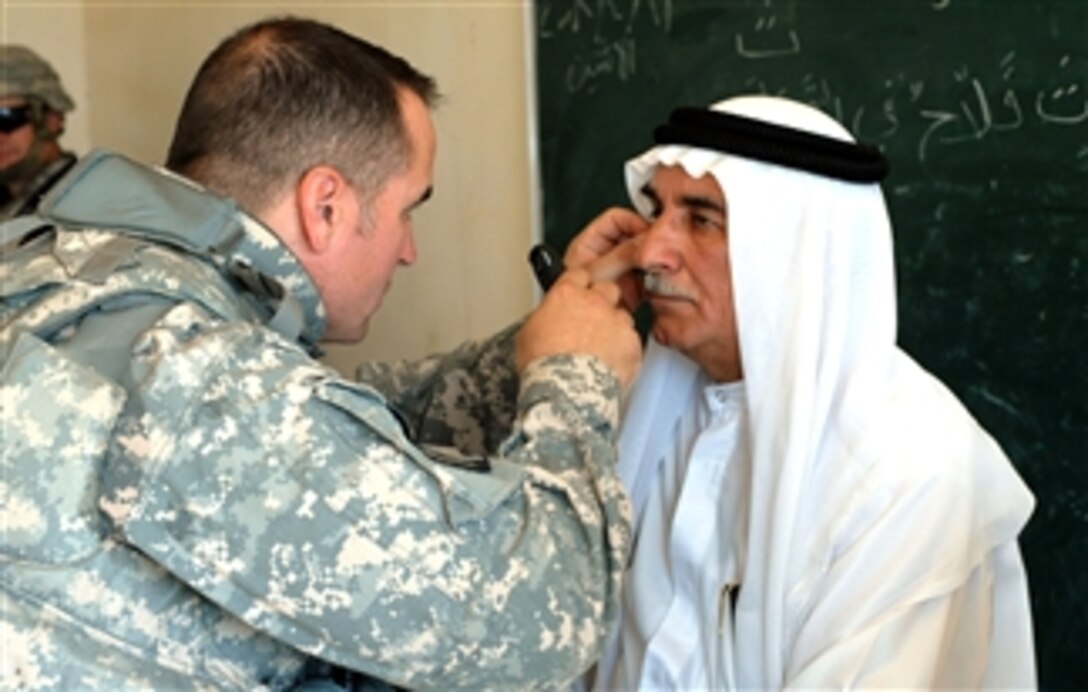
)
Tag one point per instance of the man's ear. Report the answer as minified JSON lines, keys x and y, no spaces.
{"x":325,"y":206}
{"x":54,"y":123}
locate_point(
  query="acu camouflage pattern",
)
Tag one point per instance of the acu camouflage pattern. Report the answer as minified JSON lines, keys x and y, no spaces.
{"x":189,"y":499}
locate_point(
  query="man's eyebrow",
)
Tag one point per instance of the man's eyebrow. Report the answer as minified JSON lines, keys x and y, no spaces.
{"x":691,"y":201}
{"x":423,"y":198}
{"x":699,"y":202}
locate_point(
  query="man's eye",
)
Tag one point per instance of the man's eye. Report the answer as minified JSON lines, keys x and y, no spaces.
{"x":708,"y":222}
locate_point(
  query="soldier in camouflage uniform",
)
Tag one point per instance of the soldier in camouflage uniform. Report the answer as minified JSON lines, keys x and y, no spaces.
{"x":32,"y":108}
{"x":189,"y":500}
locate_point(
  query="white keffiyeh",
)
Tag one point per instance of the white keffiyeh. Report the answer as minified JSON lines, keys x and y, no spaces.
{"x":880,"y":521}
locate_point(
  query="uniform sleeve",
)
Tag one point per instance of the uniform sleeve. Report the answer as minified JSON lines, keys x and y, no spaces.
{"x":293,"y":499}
{"x":464,"y":399}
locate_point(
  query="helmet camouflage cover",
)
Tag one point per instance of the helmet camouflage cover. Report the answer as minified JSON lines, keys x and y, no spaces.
{"x":24,"y":73}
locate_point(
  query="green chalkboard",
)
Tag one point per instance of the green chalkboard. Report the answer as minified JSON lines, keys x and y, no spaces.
{"x":982,"y":108}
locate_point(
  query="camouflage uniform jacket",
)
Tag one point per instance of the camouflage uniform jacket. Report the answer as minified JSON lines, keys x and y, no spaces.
{"x":189,"y":499}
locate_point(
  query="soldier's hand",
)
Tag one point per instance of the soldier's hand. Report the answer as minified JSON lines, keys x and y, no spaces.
{"x":580,"y":317}
{"x":608,"y":248}
{"x":602,"y":235}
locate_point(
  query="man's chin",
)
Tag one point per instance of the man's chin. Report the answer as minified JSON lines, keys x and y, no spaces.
{"x":347,"y":335}
{"x":14,"y":170}
{"x":360,"y":332}
{"x":8,"y":171}
{"x":670,"y":329}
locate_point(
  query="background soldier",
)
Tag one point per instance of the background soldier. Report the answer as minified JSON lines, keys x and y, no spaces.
{"x":32,"y":108}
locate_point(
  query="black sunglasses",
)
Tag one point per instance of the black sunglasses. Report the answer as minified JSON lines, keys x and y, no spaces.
{"x":12,"y":118}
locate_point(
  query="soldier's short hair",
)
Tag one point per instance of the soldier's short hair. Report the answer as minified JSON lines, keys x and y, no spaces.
{"x":286,"y":94}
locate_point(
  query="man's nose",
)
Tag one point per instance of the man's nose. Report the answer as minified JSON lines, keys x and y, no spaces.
{"x":658,"y":251}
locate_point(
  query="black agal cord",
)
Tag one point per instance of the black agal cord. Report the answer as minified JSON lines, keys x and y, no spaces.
{"x":756,"y":139}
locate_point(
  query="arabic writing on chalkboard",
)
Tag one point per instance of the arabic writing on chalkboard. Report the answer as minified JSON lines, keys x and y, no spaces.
{"x":981,"y":107}
{"x":984,"y":105}
{"x":609,"y":25}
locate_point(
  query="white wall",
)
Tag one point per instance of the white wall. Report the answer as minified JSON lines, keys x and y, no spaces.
{"x":128,"y":66}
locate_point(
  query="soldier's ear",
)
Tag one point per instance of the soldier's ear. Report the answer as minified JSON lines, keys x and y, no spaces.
{"x":53,"y":124}
{"x":326,"y":206}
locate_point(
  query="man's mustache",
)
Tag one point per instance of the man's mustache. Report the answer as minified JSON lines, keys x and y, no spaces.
{"x":658,"y":285}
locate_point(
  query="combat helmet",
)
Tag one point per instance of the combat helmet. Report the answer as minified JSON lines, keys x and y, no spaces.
{"x":24,"y":73}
